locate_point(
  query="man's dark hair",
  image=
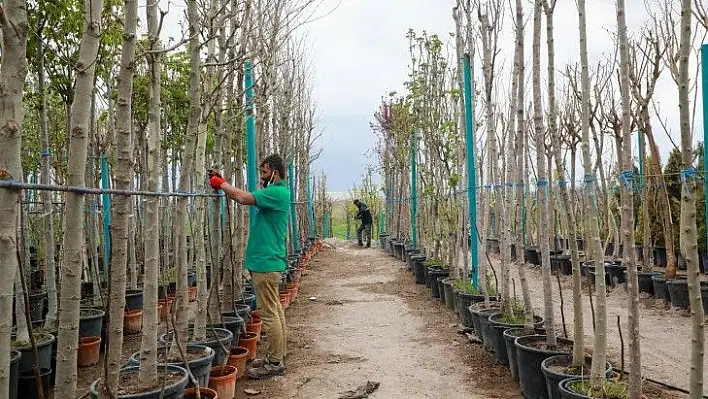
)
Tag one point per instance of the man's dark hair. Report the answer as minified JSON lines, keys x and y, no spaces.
{"x":357,"y":202}
{"x":275,"y":162}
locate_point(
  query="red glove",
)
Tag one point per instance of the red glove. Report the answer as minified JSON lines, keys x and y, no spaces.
{"x":216,"y":180}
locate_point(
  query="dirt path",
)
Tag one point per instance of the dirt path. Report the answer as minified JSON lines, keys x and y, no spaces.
{"x":370,"y":322}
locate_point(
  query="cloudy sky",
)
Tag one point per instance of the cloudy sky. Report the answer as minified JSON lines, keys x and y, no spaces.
{"x":360,"y":53}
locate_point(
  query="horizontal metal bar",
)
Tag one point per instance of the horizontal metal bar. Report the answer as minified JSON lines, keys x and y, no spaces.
{"x":11,"y":184}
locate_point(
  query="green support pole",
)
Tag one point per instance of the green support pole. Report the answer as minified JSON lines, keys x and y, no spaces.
{"x":326,"y":225}
{"x":349,"y":231}
{"x":106,"y":200}
{"x":250,"y":134}
{"x":382,"y":223}
{"x":310,"y":209}
{"x":414,"y":192}
{"x":294,"y":245}
{"x":704,"y":78}
{"x":471,"y":173}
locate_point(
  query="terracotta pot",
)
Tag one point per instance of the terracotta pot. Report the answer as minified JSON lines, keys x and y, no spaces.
{"x":166,"y":307}
{"x":89,"y":351}
{"x":237,"y":358}
{"x":285,"y":300}
{"x":255,"y":318}
{"x":222,"y":379}
{"x":132,"y":321}
{"x":204,"y":393}
{"x":255,"y":327}
{"x":249,"y":341}
{"x":293,"y":294}
{"x":192,"y":294}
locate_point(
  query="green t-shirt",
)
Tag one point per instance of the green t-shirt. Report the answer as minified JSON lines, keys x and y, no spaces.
{"x":266,"y":250}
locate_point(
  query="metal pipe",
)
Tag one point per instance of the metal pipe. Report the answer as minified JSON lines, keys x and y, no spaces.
{"x":294,"y":244}
{"x":471,"y":173}
{"x":105,"y":192}
{"x":414,"y":192}
{"x":250,"y":134}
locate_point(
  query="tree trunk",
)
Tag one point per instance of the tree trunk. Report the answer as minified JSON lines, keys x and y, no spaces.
{"x":689,"y":234}
{"x":599,"y":356}
{"x":74,"y":239}
{"x":148,"y":346}
{"x":120,"y":217}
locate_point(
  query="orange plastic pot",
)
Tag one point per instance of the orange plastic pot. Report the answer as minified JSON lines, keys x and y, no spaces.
{"x":255,"y":327}
{"x":192,"y":294}
{"x":89,"y":351}
{"x":204,"y":393}
{"x":285,"y":300}
{"x":292,"y":292}
{"x":222,"y":379}
{"x":249,"y":341}
{"x":166,"y":307}
{"x":238,"y":358}
{"x":132,"y":321}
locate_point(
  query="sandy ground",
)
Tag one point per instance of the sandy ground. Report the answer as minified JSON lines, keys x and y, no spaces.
{"x":370,"y":322}
{"x":665,"y":333}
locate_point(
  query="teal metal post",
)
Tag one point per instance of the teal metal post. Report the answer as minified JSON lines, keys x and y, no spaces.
{"x":250,"y":134}
{"x":471,"y":174}
{"x":704,"y":78}
{"x":106,"y":200}
{"x":293,"y":210}
{"x":310,"y":210}
{"x":326,"y":225}
{"x":414,"y":192}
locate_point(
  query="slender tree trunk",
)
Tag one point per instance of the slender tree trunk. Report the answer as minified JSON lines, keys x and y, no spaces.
{"x":689,"y":234}
{"x":542,"y":182}
{"x":74,"y":239}
{"x":50,"y":321}
{"x":599,"y":357}
{"x":120,"y":219}
{"x":148,"y":346}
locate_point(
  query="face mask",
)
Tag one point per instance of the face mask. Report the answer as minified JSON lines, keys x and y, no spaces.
{"x":267,"y":182}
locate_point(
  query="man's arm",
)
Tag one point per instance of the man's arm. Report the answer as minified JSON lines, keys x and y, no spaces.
{"x":238,"y":195}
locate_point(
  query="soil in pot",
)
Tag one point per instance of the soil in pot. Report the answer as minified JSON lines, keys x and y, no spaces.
{"x":249,"y":341}
{"x":89,"y":351}
{"x":204,"y":393}
{"x":678,"y":293}
{"x":91,"y":322}
{"x":199,"y":358}
{"x":27,"y":383}
{"x":15,"y":357}
{"x":579,"y":388}
{"x":223,"y":381}
{"x":175,"y":380}
{"x":661,"y":290}
{"x":133,"y":299}
{"x":44,"y":344}
{"x":531,"y":350}
{"x":559,"y":367}
{"x":501,"y":322}
{"x":645,"y":281}
{"x":238,"y":358}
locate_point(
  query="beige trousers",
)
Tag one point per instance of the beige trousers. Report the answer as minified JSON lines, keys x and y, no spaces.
{"x":268,"y":297}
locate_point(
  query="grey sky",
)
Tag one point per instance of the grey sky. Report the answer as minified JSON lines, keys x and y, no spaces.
{"x":360,"y":53}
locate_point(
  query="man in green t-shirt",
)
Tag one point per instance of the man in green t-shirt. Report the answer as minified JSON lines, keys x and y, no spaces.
{"x":266,"y":256}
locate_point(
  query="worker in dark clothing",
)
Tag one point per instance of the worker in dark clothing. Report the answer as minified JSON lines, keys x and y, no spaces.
{"x":364,"y":214}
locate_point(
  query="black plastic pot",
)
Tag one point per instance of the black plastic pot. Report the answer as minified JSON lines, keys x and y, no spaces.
{"x":15,"y":358}
{"x":661,"y":290}
{"x":616,"y":274}
{"x":246,"y":299}
{"x":240,"y":309}
{"x":133,"y":299}
{"x":509,"y":335}
{"x":192,"y":278}
{"x":645,"y":281}
{"x":566,"y":393}
{"x":433,"y":275}
{"x":382,"y":240}
{"x":660,"y":256}
{"x":91,"y":322}
{"x":441,"y":288}
{"x":704,"y":298}
{"x":485,"y":326}
{"x":475,"y":315}
{"x":200,"y":368}
{"x":233,"y":323}
{"x":398,"y":250}
{"x":497,"y":328}
{"x":450,"y":297}
{"x":464,"y":300}
{"x":678,"y":293}
{"x":223,"y":335}
{"x":415,"y":259}
{"x":26,"y":383}
{"x":44,"y":343}
{"x":419,"y":269}
{"x":529,"y":359}
{"x":553,"y":378}
{"x":531,"y":255}
{"x":37,"y":303}
{"x":172,"y":391}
